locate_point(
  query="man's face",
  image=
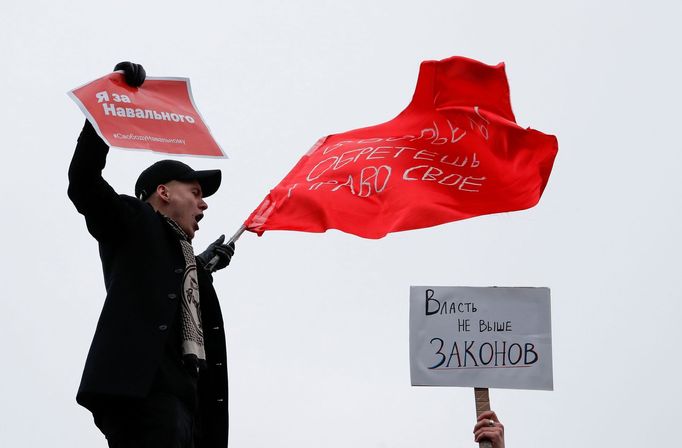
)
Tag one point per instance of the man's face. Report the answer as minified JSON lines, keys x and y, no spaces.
{"x":185,"y":205}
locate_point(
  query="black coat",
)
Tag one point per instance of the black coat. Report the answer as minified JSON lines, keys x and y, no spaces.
{"x":143,"y":265}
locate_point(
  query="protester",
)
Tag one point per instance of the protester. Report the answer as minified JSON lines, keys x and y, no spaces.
{"x":156,"y":373}
{"x":488,"y":427}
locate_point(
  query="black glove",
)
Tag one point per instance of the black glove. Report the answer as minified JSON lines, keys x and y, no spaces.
{"x":134,"y":73}
{"x":224,"y":253}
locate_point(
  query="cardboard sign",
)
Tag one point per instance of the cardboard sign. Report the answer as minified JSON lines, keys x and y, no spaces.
{"x":158,"y":116}
{"x":481,"y":337}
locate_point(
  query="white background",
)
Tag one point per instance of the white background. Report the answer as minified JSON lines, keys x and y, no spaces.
{"x":318,"y":323}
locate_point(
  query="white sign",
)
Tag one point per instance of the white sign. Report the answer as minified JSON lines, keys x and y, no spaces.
{"x":481,"y":337}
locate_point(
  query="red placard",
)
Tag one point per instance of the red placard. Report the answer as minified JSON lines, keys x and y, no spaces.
{"x":159,"y":116}
{"x":455,"y":152}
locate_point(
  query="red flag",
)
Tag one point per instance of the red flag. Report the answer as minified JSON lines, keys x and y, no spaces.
{"x":453,"y":153}
{"x":159,"y":116}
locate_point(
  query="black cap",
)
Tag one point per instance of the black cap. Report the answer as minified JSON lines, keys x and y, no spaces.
{"x":168,"y":170}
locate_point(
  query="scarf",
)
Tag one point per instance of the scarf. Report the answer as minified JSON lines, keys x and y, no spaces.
{"x":193,"y":354}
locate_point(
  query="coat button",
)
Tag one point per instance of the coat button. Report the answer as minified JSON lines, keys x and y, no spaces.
{"x":220,"y":400}
{"x":172,"y":296}
{"x":179,"y":271}
{"x":216,"y":328}
{"x":163,"y":327}
{"x":219,"y":364}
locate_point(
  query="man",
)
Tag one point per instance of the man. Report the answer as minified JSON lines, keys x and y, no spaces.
{"x":156,"y":372}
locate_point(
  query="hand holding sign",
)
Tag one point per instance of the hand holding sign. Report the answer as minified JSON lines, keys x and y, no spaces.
{"x":489,"y":428}
{"x":134,"y":73}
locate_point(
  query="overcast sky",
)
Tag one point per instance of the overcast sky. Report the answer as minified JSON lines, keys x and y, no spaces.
{"x":318,"y":323}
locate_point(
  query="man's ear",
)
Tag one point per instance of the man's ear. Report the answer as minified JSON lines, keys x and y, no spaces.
{"x":163,"y":192}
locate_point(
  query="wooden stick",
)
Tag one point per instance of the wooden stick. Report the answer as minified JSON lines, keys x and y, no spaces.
{"x":482,"y":404}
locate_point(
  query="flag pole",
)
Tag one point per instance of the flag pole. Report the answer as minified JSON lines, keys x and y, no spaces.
{"x":482,"y":398}
{"x":237,"y":234}
{"x":214,"y":261}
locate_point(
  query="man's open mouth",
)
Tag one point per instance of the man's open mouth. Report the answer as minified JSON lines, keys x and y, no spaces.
{"x":197,"y":218}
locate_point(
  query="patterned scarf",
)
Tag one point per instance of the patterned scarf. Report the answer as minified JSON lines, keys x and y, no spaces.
{"x":193,"y":353}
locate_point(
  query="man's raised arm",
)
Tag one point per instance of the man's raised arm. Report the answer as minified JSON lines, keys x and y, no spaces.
{"x":107,"y":214}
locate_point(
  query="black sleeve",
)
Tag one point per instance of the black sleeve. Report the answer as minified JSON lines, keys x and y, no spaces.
{"x":108,"y":215}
